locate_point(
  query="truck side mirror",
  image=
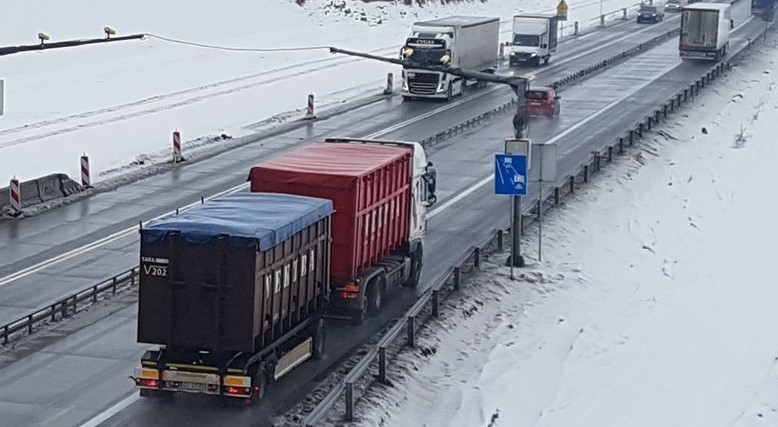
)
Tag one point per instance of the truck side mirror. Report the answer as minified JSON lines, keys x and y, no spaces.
{"x":430,"y":180}
{"x":543,"y":46}
{"x":731,"y":24}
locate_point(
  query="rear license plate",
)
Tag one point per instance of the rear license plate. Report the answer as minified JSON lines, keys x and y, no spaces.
{"x":193,"y":386}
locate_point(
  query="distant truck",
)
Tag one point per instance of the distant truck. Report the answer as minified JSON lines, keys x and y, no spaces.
{"x":705,"y":31}
{"x":534,"y":38}
{"x":380,"y":191}
{"x":469,"y":43}
{"x":234,"y":292}
{"x":764,"y":9}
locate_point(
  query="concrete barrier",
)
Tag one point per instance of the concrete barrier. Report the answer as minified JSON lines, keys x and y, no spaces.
{"x":40,"y":190}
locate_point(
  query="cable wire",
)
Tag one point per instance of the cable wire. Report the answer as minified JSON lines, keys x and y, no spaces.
{"x":236,"y":49}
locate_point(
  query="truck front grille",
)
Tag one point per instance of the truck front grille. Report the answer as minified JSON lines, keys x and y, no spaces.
{"x":423,"y":83}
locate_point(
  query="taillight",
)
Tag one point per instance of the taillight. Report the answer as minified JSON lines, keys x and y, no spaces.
{"x":144,"y":382}
{"x":238,"y":390}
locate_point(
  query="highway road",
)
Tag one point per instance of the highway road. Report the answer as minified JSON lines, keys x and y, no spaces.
{"x":48,"y":256}
{"x":82,"y":374}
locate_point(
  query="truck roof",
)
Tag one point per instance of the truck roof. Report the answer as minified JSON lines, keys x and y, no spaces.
{"x":262,"y":220}
{"x":707,"y":6}
{"x":457,"y":21}
{"x":352,"y":160}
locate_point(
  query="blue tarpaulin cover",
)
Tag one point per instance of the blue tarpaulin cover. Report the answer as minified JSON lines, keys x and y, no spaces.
{"x":260,"y":220}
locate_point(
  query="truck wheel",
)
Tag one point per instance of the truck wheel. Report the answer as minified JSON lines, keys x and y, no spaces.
{"x":450,"y":92}
{"x":260,"y":380}
{"x":375,"y":296}
{"x":545,"y":60}
{"x":407,"y":98}
{"x":319,"y":341}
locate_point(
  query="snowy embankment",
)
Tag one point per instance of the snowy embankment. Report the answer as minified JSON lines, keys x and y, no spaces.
{"x":656,"y":302}
{"x":119,"y":103}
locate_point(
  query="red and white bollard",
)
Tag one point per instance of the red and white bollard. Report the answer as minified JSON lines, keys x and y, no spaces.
{"x":309,"y":114}
{"x":86,"y":181}
{"x":389,"y":84}
{"x":16,"y":196}
{"x":177,"y":157}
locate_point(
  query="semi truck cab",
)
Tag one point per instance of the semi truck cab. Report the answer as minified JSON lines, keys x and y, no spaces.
{"x":465,"y":42}
{"x":429,"y":48}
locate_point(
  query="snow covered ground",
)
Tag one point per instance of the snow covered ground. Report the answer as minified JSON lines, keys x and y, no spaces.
{"x":119,"y":102}
{"x":656,"y":302}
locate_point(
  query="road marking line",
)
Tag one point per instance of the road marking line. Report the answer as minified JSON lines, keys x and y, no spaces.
{"x":113,"y":410}
{"x":126,"y":232}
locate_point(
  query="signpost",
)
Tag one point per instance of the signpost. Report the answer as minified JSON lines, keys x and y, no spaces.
{"x":561,"y":13}
{"x":561,"y":10}
{"x":545,"y":170}
{"x":2,"y":97}
{"x":510,"y":178}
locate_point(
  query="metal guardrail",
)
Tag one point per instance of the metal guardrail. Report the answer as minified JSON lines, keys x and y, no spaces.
{"x":561,"y":82}
{"x":49,"y":313}
{"x":624,"y":11}
{"x":615,"y":59}
{"x":408,"y":324}
{"x":553,"y":195}
{"x":70,"y":304}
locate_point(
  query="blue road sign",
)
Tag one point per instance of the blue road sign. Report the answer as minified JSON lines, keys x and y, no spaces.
{"x":510,"y":175}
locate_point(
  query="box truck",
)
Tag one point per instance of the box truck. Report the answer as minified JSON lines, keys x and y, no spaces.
{"x":534,"y":38}
{"x":380,"y":191}
{"x":705,"y":31}
{"x":469,"y":43}
{"x":234,"y":292}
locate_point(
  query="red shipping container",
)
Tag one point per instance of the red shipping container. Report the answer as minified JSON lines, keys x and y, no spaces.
{"x":369,"y":185}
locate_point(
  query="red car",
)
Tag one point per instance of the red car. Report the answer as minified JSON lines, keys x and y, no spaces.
{"x":542,"y":101}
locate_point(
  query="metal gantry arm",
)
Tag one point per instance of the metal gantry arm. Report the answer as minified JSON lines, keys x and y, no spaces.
{"x":519,"y":85}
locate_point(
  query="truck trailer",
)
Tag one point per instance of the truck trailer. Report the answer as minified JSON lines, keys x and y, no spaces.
{"x":705,"y":31}
{"x":234,"y":292}
{"x":380,"y":192}
{"x":469,"y":43}
{"x":534,"y":38}
{"x":764,"y":9}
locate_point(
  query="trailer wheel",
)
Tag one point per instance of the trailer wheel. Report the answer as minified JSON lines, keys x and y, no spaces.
{"x":144,"y":392}
{"x":319,"y":341}
{"x":260,"y":380}
{"x":375,"y":296}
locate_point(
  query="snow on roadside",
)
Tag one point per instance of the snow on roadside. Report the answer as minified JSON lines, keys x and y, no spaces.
{"x":655,"y":303}
{"x":119,"y":103}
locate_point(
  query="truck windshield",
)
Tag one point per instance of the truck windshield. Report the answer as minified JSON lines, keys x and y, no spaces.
{"x":647,"y":9}
{"x":424,"y":56}
{"x":525,"y":40}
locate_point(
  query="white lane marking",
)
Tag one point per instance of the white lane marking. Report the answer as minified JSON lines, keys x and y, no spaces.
{"x":461,"y":195}
{"x":490,"y":178}
{"x":609,"y":106}
{"x":113,"y":410}
{"x":126,"y":232}
{"x":102,"y":242}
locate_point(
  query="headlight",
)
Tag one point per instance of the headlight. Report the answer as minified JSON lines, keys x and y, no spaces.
{"x":441,"y":86}
{"x":534,"y":54}
{"x":405,"y":84}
